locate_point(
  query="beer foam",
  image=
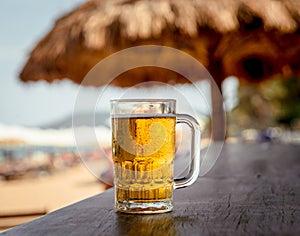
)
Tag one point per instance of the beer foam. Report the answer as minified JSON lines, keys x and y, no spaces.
{"x":133,"y":115}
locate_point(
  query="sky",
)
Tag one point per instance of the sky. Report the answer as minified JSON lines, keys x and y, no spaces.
{"x":23,"y":24}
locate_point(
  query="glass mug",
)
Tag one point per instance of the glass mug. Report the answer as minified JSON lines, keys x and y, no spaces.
{"x":143,"y":150}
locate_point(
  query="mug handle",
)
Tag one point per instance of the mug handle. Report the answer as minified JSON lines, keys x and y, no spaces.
{"x":194,"y":170}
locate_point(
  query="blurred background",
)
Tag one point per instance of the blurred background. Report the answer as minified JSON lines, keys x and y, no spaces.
{"x":251,"y":50}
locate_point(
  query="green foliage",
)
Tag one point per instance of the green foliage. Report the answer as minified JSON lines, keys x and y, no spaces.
{"x":284,"y":94}
{"x":273,"y":102}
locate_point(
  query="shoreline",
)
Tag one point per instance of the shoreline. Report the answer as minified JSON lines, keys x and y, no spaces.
{"x":49,"y":192}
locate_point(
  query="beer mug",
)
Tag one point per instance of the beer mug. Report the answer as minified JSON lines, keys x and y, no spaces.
{"x":143,"y":150}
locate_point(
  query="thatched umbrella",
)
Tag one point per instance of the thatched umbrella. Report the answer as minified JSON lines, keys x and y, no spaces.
{"x":250,"y":39}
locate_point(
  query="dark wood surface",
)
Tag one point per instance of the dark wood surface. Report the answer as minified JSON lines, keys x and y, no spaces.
{"x":253,"y":189}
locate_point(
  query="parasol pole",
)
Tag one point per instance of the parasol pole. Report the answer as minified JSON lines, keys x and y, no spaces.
{"x":218,"y":114}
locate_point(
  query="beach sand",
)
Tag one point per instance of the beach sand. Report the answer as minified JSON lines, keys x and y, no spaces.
{"x":46,"y":193}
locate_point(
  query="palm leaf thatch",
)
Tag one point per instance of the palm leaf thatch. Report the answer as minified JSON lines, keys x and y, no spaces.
{"x":249,"y":39}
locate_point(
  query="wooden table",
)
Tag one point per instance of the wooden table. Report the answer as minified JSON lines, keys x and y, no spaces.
{"x":253,"y":189}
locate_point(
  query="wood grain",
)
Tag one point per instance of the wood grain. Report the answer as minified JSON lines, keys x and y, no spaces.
{"x":252,"y":190}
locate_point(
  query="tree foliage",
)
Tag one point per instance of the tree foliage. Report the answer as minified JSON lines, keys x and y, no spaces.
{"x":272,"y":102}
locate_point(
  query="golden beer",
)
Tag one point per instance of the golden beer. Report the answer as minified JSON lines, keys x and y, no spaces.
{"x":143,"y":153}
{"x":143,"y":148}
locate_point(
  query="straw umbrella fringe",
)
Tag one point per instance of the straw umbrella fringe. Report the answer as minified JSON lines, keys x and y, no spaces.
{"x":249,"y":39}
{"x":204,"y":29}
